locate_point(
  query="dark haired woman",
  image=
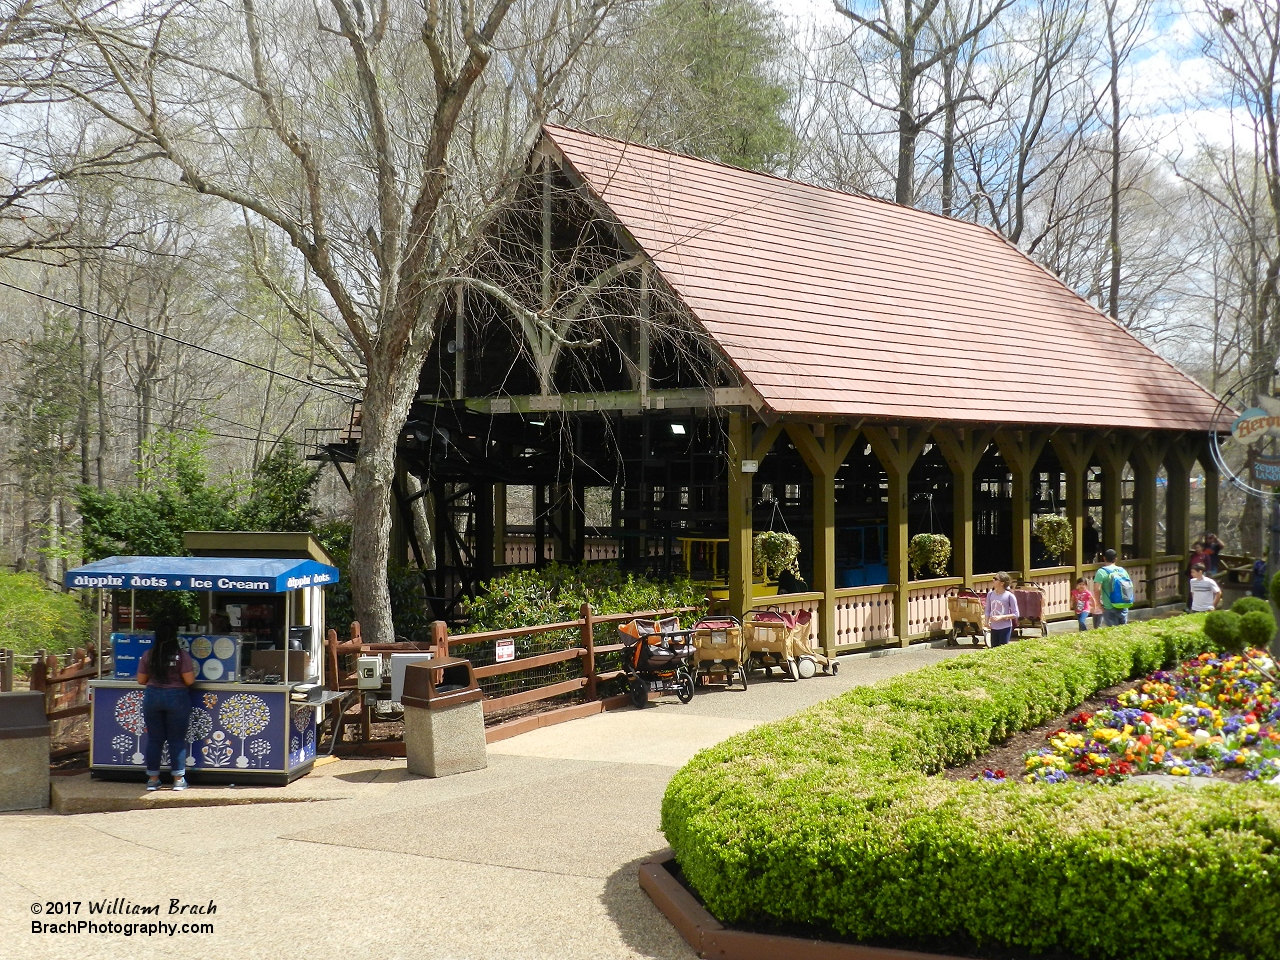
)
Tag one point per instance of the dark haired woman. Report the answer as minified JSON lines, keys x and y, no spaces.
{"x":166,"y":670}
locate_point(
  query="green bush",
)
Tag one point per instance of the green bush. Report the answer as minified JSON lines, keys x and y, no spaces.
{"x":1257,"y":629}
{"x":1223,"y":628}
{"x":33,"y":617}
{"x":556,"y":593}
{"x":830,"y":820}
{"x":1249,"y":605}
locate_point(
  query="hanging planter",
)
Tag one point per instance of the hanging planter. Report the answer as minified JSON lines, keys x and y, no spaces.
{"x":1054,"y":532}
{"x":771,"y":553}
{"x":929,"y":552}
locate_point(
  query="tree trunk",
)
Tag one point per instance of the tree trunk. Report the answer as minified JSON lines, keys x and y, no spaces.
{"x":1113,"y":291}
{"x":387,"y":397}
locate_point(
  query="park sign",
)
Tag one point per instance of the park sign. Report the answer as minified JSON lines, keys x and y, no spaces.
{"x":1258,"y":422}
{"x":223,"y":574}
{"x":1266,"y":471}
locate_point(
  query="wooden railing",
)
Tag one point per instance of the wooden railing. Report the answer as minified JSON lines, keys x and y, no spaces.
{"x":1057,"y":584}
{"x":545,"y":674}
{"x":864,"y":615}
{"x":1138,"y":570}
{"x":1167,"y":584}
{"x":927,"y":606}
{"x":66,"y":698}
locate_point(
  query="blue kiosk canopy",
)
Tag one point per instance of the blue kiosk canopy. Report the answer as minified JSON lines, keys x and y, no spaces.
{"x":226,"y":574}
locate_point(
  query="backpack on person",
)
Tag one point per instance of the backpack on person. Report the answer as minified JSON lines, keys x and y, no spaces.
{"x":1119,"y":587}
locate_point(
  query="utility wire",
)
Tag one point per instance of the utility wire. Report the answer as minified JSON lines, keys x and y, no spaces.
{"x":185,"y":343}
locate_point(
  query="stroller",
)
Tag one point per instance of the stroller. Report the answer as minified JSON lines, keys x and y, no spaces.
{"x":657,"y":658}
{"x":778,"y":639}
{"x":968,"y":616}
{"x":718,"y":648}
{"x":1030,"y":597}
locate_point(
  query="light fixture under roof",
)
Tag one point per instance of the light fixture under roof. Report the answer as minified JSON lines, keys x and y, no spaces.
{"x":537,"y":423}
{"x":677,"y":429}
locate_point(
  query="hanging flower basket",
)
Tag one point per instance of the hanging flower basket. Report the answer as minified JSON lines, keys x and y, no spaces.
{"x":771,"y":553}
{"x":1054,"y":532}
{"x":929,"y":552}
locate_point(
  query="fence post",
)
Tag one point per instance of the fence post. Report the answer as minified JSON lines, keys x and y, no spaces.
{"x":440,"y":638}
{"x":6,"y":671}
{"x":39,"y":673}
{"x":589,"y":643}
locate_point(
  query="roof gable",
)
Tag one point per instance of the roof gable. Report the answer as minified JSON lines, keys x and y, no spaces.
{"x":836,"y":304}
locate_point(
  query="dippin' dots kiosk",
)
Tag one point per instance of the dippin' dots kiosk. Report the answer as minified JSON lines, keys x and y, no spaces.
{"x":258,"y":658}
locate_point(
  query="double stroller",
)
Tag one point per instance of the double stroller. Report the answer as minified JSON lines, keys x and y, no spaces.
{"x":657,"y":657}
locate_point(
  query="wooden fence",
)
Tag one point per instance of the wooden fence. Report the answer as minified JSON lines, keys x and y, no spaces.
{"x":66,"y":696}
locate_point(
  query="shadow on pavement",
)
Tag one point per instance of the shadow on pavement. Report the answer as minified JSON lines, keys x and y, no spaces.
{"x":640,"y":924}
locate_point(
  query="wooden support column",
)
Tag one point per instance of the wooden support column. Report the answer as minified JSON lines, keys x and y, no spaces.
{"x":1020,"y":450}
{"x":743,"y":446}
{"x":1211,"y":480}
{"x":897,"y":449}
{"x":1178,"y":463}
{"x":484,"y":531}
{"x":824,"y":448}
{"x":499,"y":524}
{"x":1074,"y":451}
{"x":962,"y":447}
{"x":1147,"y":458}
{"x":1113,"y":454}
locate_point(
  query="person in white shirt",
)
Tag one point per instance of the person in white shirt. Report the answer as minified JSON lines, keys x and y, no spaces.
{"x":1205,"y":592}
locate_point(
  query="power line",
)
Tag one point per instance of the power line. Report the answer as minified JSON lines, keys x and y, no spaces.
{"x":185,"y":343}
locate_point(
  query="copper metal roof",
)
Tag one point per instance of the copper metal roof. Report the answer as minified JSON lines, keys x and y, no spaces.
{"x":835,"y":304}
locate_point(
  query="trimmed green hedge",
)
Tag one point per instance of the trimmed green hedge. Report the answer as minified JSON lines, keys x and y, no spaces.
{"x":831,"y":820}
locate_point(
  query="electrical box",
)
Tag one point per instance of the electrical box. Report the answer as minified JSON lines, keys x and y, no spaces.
{"x":369,"y":673}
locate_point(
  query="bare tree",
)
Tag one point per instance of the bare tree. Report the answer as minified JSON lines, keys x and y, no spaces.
{"x":920,"y":34}
{"x":379,"y":140}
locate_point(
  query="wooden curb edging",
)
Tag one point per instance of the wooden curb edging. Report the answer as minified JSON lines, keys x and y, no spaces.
{"x":710,"y":938}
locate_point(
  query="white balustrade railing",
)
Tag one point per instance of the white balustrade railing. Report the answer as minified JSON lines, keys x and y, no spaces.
{"x":1138,"y":574}
{"x":1168,"y":579}
{"x":927,"y":606}
{"x":1057,"y":584}
{"x":864,"y":615}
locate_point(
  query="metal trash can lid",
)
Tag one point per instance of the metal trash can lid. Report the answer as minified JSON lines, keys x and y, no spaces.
{"x":22,"y":716}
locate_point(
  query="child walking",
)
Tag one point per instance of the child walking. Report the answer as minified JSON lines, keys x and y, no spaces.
{"x":1002,"y":610}
{"x":1205,"y":592}
{"x":1082,"y":603}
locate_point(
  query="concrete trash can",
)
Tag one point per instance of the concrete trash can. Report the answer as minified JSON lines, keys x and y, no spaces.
{"x":443,"y":718}
{"x":24,"y":752}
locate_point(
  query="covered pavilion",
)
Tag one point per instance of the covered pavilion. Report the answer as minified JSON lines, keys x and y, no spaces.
{"x":659,"y":355}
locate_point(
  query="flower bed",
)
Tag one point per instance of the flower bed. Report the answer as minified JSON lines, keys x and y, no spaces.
{"x":1213,"y":716}
{"x":835,"y":823}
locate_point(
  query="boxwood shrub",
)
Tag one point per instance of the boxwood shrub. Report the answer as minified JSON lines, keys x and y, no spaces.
{"x":834,"y":820}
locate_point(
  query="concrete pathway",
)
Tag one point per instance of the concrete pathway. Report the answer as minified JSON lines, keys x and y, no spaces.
{"x":534,"y":857}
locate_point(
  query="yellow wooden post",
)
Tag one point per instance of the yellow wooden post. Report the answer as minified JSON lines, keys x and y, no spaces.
{"x":1020,"y":450}
{"x":963,"y":449}
{"x":1074,"y":451}
{"x":824,"y":455}
{"x":897,"y":449}
{"x":739,"y":516}
{"x":745,"y":447}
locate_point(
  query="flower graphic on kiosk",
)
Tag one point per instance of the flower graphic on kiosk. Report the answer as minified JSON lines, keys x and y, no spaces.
{"x":200,"y":725}
{"x":301,"y":718}
{"x":258,"y":749}
{"x":129,"y":716}
{"x":217,"y":752}
{"x":122,"y":743}
{"x":244,"y":714}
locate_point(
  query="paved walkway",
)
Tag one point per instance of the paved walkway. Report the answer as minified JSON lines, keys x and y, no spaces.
{"x":534,"y":857}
